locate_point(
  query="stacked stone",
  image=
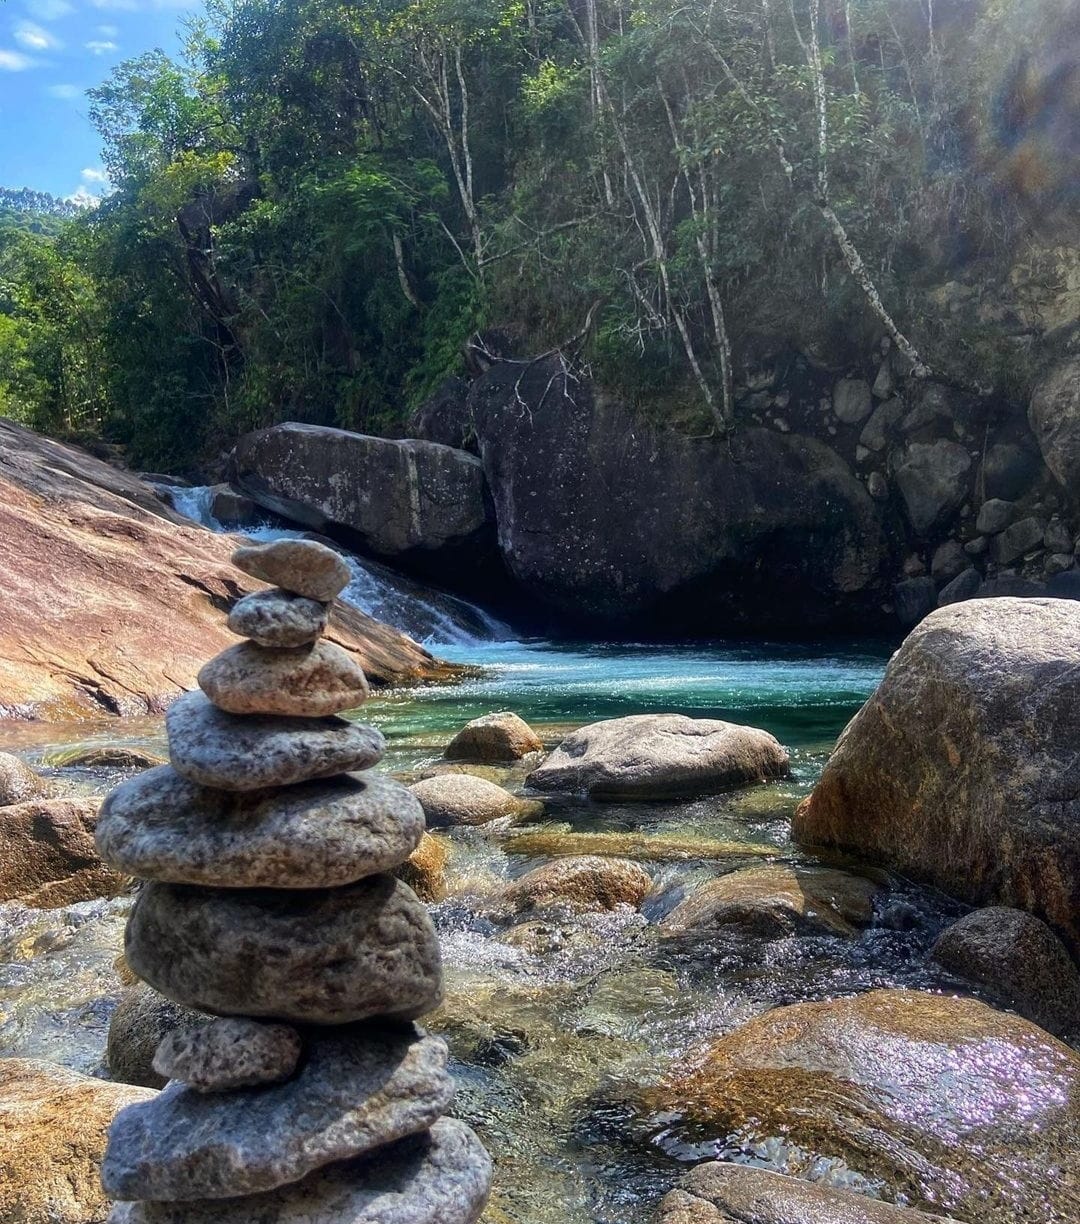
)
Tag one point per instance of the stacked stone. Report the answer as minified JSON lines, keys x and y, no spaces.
{"x":313,"y":1097}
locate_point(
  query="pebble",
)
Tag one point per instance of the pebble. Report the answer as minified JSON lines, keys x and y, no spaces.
{"x":228,"y":1054}
{"x":278,"y":618}
{"x":311,"y":957}
{"x":240,"y":753}
{"x":356,"y":1091}
{"x":302,"y":567}
{"x":303,"y":682}
{"x":161,"y":826}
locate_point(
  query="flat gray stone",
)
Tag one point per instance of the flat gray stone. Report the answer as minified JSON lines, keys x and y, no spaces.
{"x":233,"y":752}
{"x":228,"y":1054}
{"x":161,"y":826}
{"x":442,"y":1177}
{"x":359,"y":1088}
{"x":321,"y":957}
{"x":304,"y":681}
{"x":303,"y":567}
{"x":278,"y":618}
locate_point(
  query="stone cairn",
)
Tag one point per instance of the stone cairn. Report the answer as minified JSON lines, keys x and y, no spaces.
{"x":269,"y":903}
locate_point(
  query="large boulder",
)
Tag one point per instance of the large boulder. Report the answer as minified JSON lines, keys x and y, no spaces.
{"x":47,"y":854}
{"x":939,"y":1102}
{"x":53,"y":1125}
{"x":504,"y":736}
{"x":609,"y":519}
{"x":658,"y":756}
{"x":18,"y":782}
{"x":933,"y":481}
{"x":1054,"y":417}
{"x":961,"y":769}
{"x":112,"y":602}
{"x":715,"y":1193}
{"x":422,"y":504}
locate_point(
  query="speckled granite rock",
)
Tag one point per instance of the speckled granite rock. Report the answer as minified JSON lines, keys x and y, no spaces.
{"x":494,"y":737}
{"x":142,"y":1020}
{"x":278,"y":618}
{"x":228,"y":1054}
{"x":232,"y":752}
{"x":438,"y":1178}
{"x":582,"y":881}
{"x":355,"y":1092}
{"x":302,"y":567}
{"x":461,"y":799}
{"x":160,"y":826}
{"x":18,"y":782}
{"x":305,"y":681}
{"x":322,"y":957}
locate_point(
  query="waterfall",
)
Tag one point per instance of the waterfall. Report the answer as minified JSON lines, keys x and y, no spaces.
{"x":430,"y":616}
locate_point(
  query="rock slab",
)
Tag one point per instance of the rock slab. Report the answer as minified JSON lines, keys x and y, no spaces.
{"x":356,"y":1091}
{"x":438,"y":1178}
{"x":304,"y":681}
{"x":303,"y":567}
{"x":319,"y":957}
{"x":656,"y":756}
{"x":161,"y":826}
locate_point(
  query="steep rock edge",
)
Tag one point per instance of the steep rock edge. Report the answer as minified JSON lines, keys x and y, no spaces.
{"x":112,"y":601}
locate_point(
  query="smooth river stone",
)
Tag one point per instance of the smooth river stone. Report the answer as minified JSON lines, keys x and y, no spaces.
{"x":305,"y":682}
{"x":234,"y":752}
{"x":320,"y":957}
{"x":161,"y":826}
{"x":300,"y":566}
{"x":278,"y":618}
{"x":228,"y":1054}
{"x":358,"y":1088}
{"x":442,"y":1177}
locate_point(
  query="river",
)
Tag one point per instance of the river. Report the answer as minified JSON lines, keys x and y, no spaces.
{"x":554,"y":1036}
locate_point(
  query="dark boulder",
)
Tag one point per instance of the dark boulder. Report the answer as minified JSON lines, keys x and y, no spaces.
{"x":421,"y":504}
{"x":443,"y":417}
{"x":615,"y":521}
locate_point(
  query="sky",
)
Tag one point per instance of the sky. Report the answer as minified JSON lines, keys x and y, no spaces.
{"x":51,"y":52}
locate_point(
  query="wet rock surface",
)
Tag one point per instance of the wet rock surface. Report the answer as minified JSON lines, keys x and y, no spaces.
{"x":18,"y":782}
{"x":581,"y":881}
{"x":160,"y":826}
{"x":659,"y":755}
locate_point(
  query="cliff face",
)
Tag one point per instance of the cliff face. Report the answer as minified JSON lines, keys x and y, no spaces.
{"x":111,"y":601}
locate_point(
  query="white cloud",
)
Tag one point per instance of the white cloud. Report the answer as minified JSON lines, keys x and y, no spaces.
{"x":100,"y":47}
{"x":92,"y":175}
{"x":83,"y":198}
{"x":34,"y":38}
{"x":14,"y":61}
{"x":63,"y":91}
{"x":129,"y":6}
{"x":49,"y":10}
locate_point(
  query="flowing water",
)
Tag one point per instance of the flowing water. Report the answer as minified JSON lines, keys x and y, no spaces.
{"x":555,"y":1026}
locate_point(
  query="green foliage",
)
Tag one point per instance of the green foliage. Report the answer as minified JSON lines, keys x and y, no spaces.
{"x":320,"y":202}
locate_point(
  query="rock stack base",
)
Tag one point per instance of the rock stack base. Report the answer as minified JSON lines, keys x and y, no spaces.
{"x":314,"y":1099}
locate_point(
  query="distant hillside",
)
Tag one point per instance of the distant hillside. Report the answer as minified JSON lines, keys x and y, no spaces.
{"x":37,"y":212}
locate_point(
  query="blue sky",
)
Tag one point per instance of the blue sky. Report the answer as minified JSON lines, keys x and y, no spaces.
{"x":51,"y":52}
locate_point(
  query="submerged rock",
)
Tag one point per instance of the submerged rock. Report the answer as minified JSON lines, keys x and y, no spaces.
{"x":110,"y":756}
{"x":424,"y":871}
{"x":53,"y":1125}
{"x":302,"y":567}
{"x":583,"y":882}
{"x":305,"y":681}
{"x":1017,"y":961}
{"x":775,"y":900}
{"x":656,"y":756}
{"x":48,"y":857}
{"x":311,"y":956}
{"x":494,"y":738}
{"x":715,"y":1193}
{"x":956,"y":1107}
{"x":460,"y":799}
{"x":160,"y":826}
{"x":277,"y":618}
{"x":18,"y":782}
{"x":228,"y":1054}
{"x":438,"y":1178}
{"x":961,"y":769}
{"x":355,"y":1091}
{"x":237,"y":753}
